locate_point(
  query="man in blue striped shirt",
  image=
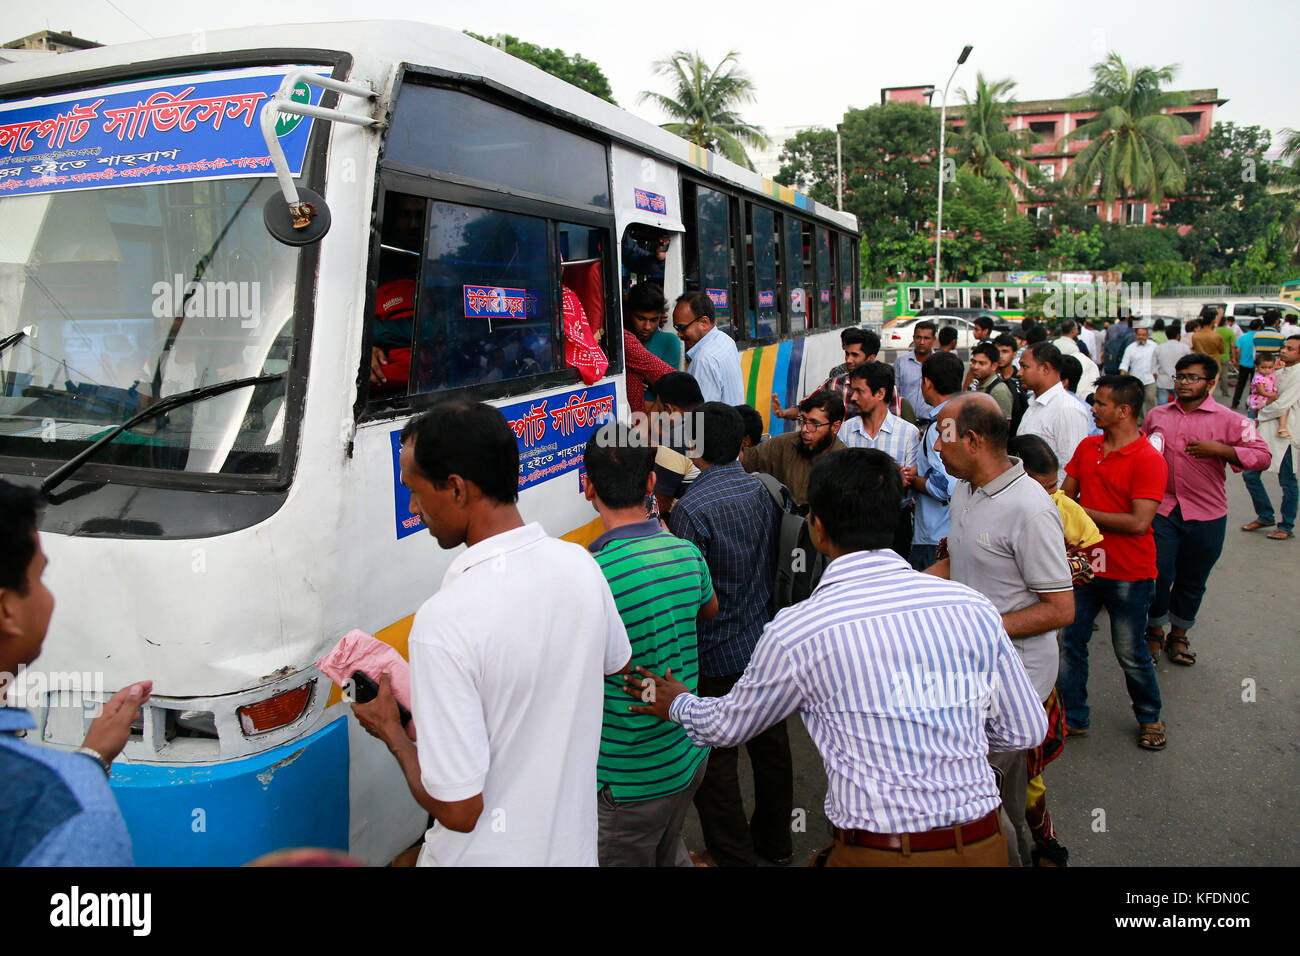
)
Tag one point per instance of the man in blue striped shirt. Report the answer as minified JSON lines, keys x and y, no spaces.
{"x":904,"y":681}
{"x":732,"y":519}
{"x":715,"y":362}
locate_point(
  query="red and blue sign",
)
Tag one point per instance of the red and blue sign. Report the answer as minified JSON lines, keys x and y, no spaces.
{"x":718,"y":297}
{"x":498,"y":302}
{"x":651,"y":202}
{"x":205,"y":126}
{"x":766,"y":299}
{"x":825,"y":296}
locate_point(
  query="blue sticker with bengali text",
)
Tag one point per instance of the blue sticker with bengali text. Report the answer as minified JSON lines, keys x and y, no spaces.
{"x":204,"y":126}
{"x":497,"y":302}
{"x":407,"y":523}
{"x":766,"y":299}
{"x":651,"y":202}
{"x":552,"y":432}
{"x":718,"y":297}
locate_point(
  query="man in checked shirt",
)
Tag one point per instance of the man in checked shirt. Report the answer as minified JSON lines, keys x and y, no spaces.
{"x":904,"y":681}
{"x":732,"y":519}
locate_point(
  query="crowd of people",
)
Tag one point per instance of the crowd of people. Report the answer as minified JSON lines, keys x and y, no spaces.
{"x":969,"y":523}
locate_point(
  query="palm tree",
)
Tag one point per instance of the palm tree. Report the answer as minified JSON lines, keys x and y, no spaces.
{"x":1133,"y":149}
{"x":704,"y":107}
{"x":984,"y":145}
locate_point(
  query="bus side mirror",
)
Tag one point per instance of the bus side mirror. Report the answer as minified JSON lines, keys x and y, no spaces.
{"x":299,"y":224}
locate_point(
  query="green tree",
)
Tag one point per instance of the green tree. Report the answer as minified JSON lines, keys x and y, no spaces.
{"x":575,"y":68}
{"x":890,"y":184}
{"x":1234,"y":201}
{"x":703,"y":104}
{"x":1132,"y":149}
{"x":808,"y":164}
{"x":983,"y":228}
{"x":985,"y":145}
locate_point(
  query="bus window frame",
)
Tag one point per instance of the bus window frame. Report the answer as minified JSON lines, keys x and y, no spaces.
{"x":395,"y":177}
{"x":313,"y":177}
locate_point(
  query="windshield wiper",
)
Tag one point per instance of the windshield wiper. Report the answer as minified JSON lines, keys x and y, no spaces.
{"x":11,"y":340}
{"x":64,"y":471}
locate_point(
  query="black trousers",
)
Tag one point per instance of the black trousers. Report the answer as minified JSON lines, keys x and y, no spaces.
{"x":903,"y":533}
{"x":1244,"y":374}
{"x":729,"y":837}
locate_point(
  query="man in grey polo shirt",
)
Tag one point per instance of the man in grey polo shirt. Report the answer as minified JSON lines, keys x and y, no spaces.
{"x":1005,"y":541}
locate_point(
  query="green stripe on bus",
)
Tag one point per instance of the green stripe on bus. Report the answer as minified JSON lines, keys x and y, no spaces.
{"x":751,"y":389}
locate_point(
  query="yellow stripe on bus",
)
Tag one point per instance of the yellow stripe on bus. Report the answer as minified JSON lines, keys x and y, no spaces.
{"x":398,"y":634}
{"x":766,"y":371}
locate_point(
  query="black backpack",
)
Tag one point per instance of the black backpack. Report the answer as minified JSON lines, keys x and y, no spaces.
{"x":1019,"y":400}
{"x":799,"y":565}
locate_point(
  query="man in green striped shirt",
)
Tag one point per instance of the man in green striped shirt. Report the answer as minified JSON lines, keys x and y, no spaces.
{"x":648,"y":771}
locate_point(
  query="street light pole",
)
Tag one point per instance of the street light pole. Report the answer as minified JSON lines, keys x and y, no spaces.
{"x":839,"y":170}
{"x":943,"y":126}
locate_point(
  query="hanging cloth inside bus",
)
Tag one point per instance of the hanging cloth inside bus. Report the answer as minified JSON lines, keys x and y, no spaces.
{"x":581,"y":350}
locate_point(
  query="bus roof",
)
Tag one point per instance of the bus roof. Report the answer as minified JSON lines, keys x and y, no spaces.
{"x":377,"y":47}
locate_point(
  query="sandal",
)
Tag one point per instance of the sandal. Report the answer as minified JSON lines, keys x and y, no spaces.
{"x":1152,"y":736}
{"x":1155,"y":643}
{"x":1075,"y":732}
{"x":1279,"y":535}
{"x":1257,"y":524}
{"x":1185,"y":656}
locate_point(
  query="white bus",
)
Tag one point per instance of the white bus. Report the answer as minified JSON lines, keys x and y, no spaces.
{"x":250,"y":515}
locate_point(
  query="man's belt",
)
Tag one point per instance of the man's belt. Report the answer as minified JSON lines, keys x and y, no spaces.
{"x":943,"y":838}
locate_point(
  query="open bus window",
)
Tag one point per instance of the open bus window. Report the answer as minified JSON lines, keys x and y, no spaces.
{"x":645,"y":250}
{"x":486,"y":303}
{"x":393,"y":320}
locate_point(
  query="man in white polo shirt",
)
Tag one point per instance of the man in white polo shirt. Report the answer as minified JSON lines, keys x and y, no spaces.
{"x":508,"y":660}
{"x":1052,"y":414}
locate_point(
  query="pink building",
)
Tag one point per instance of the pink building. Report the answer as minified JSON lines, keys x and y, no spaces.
{"x":1049,"y":120}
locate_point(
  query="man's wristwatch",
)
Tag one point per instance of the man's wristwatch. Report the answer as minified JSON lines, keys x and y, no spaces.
{"x":97,"y":757}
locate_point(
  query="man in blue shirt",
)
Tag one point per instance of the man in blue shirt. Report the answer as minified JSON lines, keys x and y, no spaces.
{"x":715,"y":363}
{"x":941,"y":377}
{"x":732,"y":519}
{"x":907,"y":369}
{"x":57,"y":808}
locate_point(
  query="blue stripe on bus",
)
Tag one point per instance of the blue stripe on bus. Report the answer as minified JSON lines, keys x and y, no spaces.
{"x":780,"y":377}
{"x":794,"y":368}
{"x":229,"y":813}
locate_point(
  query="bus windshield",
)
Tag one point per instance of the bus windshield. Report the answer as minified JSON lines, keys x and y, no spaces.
{"x":135,"y":293}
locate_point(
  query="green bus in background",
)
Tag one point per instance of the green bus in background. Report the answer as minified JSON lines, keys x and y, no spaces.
{"x":1290,"y":291}
{"x":1005,"y":300}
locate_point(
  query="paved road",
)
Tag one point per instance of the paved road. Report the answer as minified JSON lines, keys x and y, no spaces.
{"x":1225,"y":790}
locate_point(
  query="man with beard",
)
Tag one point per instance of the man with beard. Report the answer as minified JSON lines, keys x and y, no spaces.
{"x":789,"y":457}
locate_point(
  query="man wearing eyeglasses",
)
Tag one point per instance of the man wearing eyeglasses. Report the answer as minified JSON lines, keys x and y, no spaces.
{"x":1198,"y":437}
{"x":789,"y":457}
{"x":715,"y":363}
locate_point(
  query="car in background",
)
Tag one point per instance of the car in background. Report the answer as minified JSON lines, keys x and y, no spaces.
{"x":898,"y":335}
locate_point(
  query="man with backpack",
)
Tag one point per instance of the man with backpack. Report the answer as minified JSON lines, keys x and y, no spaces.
{"x":986,"y":378}
{"x":732,"y":519}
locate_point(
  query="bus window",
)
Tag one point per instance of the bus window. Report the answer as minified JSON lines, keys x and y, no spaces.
{"x":951,"y":298}
{"x":999,"y":299}
{"x":644,"y":251}
{"x":914,"y":299}
{"x":847,"y":280}
{"x":1013,"y":299}
{"x":825,"y":306}
{"x":582,"y":270}
{"x":794,"y":274}
{"x":709,"y":262}
{"x":454,"y":132}
{"x":766,"y":314}
{"x":486,"y":306}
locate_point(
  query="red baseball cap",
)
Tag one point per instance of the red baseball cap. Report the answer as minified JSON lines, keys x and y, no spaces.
{"x":395,"y":300}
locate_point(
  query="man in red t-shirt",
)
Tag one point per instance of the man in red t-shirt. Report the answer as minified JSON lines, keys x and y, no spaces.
{"x":1119,"y":479}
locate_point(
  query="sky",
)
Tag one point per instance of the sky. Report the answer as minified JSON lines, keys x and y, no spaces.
{"x":809,"y":69}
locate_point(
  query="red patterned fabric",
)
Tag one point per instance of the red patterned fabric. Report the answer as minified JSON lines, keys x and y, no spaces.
{"x":581,"y":350}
